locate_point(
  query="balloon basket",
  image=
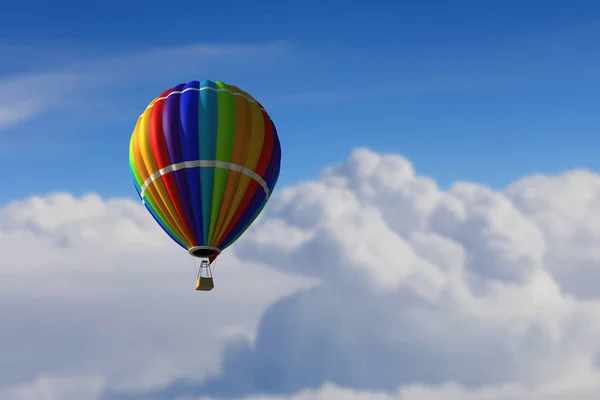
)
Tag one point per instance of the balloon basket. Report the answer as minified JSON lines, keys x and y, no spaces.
{"x":204,"y":279}
{"x":205,"y":284}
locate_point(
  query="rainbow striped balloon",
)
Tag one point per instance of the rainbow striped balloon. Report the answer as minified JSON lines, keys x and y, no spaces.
{"x":205,"y":157}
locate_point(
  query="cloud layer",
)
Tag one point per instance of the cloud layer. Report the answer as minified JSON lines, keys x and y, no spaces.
{"x":91,"y":288}
{"x":423,"y":294}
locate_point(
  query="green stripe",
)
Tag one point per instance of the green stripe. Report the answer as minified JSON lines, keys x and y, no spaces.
{"x":225,"y":141}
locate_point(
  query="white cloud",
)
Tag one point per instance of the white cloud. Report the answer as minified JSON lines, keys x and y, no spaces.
{"x":54,"y":387}
{"x":23,"y":97}
{"x":464,"y":294}
{"x":567,"y":210}
{"x":419,"y":284}
{"x":449,"y":391}
{"x":78,"y":83}
{"x":93,"y":287}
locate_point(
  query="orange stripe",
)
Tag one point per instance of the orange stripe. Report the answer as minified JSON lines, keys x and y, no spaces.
{"x":256,"y":139}
{"x":243,"y":131}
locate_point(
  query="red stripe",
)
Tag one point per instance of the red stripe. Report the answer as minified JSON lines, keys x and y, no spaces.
{"x":267,"y":150}
{"x":157,"y":139}
{"x":261,"y":168}
{"x":161,"y":156}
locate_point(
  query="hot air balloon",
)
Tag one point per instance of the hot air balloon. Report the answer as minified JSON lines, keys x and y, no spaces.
{"x":205,"y":158}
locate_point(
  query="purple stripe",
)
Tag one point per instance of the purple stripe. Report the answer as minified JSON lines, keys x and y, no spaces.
{"x":172,"y":131}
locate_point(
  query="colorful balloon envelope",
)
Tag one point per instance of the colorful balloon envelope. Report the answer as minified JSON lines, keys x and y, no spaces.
{"x":205,"y":158}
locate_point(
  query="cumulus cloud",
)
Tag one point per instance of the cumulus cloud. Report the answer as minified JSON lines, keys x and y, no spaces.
{"x":421,"y":286}
{"x":93,"y":288}
{"x":466,"y":293}
{"x":567,"y":210}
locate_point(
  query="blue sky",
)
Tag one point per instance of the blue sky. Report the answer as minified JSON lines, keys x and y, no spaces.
{"x":467,"y":90}
{"x":422,"y":292}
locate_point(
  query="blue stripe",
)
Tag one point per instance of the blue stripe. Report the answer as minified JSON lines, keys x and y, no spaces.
{"x":191,"y":151}
{"x":207,"y":131}
{"x":272,"y":172}
{"x":248,"y":217}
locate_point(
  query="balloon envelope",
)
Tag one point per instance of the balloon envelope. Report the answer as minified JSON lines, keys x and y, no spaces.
{"x":205,"y":157}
